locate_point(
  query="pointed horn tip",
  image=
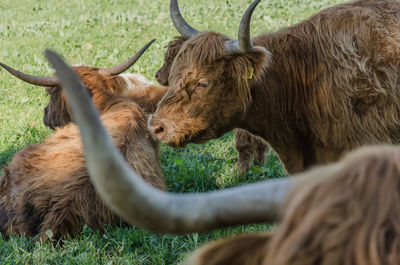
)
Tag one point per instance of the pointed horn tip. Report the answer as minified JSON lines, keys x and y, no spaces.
{"x":122,"y":67}
{"x":179,"y":22}
{"x":149,"y":43}
{"x":244,"y":40}
{"x":256,"y":2}
{"x":8,"y":68}
{"x":252,"y":7}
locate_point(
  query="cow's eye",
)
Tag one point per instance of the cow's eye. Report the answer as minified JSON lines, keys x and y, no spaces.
{"x":201,"y":84}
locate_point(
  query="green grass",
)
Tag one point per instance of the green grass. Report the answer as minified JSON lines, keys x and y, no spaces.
{"x":103,"y":33}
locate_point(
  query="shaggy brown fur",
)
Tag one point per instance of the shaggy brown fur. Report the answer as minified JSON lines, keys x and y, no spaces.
{"x":147,"y":98}
{"x":346,"y":213}
{"x":248,"y":146}
{"x":57,"y":113}
{"x":47,"y":187}
{"x":237,"y":250}
{"x":313,"y":91}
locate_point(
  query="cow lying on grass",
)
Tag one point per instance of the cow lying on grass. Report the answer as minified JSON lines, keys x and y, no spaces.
{"x":313,"y":91}
{"x":342,"y":213}
{"x":97,"y":80}
{"x":46,"y":186}
{"x":248,"y":146}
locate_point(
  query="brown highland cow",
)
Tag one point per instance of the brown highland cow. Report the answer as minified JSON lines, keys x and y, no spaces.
{"x":313,"y":90}
{"x":249,"y":147}
{"x":345,"y":213}
{"x":46,"y":186}
{"x":97,"y":80}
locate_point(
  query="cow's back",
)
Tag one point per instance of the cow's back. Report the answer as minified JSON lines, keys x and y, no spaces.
{"x":338,"y":74}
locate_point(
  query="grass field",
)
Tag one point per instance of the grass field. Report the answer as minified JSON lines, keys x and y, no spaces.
{"x":102,"y":33}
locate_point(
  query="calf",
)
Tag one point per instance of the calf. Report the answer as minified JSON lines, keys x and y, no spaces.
{"x":248,"y":146}
{"x":46,"y":186}
{"x":313,"y":91}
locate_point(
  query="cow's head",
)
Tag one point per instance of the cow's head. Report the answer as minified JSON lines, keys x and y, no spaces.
{"x":209,"y":83}
{"x":172,"y":50}
{"x":99,"y":81}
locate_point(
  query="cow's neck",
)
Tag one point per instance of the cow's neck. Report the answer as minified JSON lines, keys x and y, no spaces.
{"x":279,"y":96}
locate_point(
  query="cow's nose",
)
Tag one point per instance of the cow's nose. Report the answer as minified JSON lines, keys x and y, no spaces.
{"x":157,"y":75}
{"x":158,"y":131}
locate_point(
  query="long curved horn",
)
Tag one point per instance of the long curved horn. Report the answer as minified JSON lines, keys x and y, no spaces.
{"x":179,"y":22}
{"x":243,"y":44}
{"x":147,"y":207}
{"x":244,"y":39}
{"x":48,"y":81}
{"x":122,"y":67}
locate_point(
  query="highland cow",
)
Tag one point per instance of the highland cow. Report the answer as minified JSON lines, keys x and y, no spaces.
{"x":249,"y":147}
{"x":342,"y":213}
{"x":46,"y":186}
{"x":313,"y":91}
{"x":97,"y":80}
{"x":348,"y":215}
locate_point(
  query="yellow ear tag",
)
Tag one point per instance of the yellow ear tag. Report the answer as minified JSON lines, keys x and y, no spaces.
{"x":251,"y":72}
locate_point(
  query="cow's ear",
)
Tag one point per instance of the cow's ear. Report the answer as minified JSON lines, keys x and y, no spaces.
{"x":116,"y":84}
{"x":259,"y":58}
{"x":244,"y":68}
{"x":248,"y":65}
